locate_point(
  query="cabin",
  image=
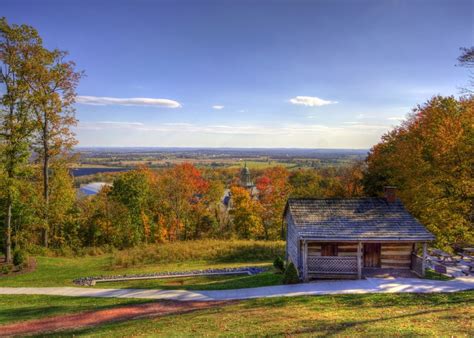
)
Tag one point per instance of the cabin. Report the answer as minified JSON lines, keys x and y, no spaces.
{"x":354,"y":238}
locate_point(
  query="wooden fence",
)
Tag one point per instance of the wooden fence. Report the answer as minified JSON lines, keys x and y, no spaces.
{"x":333,"y":265}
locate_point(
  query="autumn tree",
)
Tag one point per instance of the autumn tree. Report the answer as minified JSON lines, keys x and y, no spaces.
{"x":273,"y":191}
{"x":430,"y":158}
{"x":179,"y":193}
{"x":306,"y":183}
{"x":17,"y":43}
{"x":53,"y":83}
{"x":245,"y":215}
{"x":61,"y":204}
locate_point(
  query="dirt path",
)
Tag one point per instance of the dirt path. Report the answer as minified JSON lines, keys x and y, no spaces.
{"x":93,"y":318}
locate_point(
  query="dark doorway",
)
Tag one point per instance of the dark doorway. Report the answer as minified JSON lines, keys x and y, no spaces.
{"x":328,"y":250}
{"x":372,"y":255}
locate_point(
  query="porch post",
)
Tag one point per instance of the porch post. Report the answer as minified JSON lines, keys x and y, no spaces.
{"x":359,"y":260}
{"x":423,"y":263}
{"x":305,"y":261}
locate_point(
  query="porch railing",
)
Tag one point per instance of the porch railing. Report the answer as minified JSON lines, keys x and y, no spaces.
{"x":332,"y":265}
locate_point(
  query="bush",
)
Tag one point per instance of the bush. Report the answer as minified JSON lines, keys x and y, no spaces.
{"x":279,"y":264}
{"x":6,"y":269}
{"x":19,"y":258}
{"x":291,"y":274}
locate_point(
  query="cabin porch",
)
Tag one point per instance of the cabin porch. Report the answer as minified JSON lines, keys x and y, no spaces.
{"x":356,"y":260}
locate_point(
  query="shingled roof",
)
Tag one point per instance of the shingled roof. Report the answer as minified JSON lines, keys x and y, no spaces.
{"x":355,"y":219}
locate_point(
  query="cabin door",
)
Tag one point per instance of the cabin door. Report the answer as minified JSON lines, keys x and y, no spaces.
{"x":372,"y":255}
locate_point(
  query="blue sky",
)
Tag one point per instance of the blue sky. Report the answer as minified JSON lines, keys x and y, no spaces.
{"x":312,"y":74}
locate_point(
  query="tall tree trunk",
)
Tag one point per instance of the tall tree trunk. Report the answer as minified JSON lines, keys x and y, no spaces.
{"x":45,"y":183}
{"x":8,"y":231}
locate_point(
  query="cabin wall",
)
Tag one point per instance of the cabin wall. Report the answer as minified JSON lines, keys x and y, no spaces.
{"x":292,"y":242}
{"x":393,"y":255}
{"x":343,"y":249}
{"x":396,"y":255}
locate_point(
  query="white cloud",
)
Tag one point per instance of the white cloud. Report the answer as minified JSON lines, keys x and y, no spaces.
{"x":218,"y":107}
{"x":310,"y":101}
{"x":396,"y":118}
{"x":133,"y":101}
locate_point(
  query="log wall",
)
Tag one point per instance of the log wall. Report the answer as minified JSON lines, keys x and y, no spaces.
{"x":393,"y":255}
{"x":343,"y":249}
{"x":292,"y":243}
{"x":396,"y":255}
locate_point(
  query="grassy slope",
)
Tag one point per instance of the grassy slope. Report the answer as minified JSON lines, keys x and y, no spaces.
{"x":178,"y":256}
{"x":59,"y":271}
{"x":346,"y":315}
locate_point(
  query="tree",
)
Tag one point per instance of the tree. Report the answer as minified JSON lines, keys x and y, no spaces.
{"x":180,"y":200}
{"x":466,"y":59}
{"x":17,"y":43}
{"x":273,"y":192}
{"x":305,"y":183}
{"x":245,"y":215}
{"x":53,"y":83}
{"x":430,"y":158}
{"x":132,"y":190}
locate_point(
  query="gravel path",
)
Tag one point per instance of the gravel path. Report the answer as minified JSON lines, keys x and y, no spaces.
{"x":369,"y":285}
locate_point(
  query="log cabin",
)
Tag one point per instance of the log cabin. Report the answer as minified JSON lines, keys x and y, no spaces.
{"x":355,"y":237}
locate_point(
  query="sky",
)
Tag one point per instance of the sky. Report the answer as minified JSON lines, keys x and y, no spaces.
{"x":294,"y":74}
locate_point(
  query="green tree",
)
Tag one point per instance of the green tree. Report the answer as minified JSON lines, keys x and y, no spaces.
{"x":17,"y":43}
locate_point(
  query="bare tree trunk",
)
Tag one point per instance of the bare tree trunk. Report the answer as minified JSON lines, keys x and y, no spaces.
{"x":8,"y":232}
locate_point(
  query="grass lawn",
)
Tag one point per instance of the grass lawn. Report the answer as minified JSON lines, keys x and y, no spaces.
{"x":200,"y":283}
{"x":60,"y":271}
{"x":176,"y":256}
{"x":347,"y":315}
{"x":16,"y":308}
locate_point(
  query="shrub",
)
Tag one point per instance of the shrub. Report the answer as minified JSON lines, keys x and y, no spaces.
{"x":6,"y":269}
{"x":291,"y":274}
{"x":279,"y":264}
{"x":19,"y":258}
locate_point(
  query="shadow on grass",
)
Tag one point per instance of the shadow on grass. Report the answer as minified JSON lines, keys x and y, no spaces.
{"x":369,"y":300}
{"x":337,"y":328}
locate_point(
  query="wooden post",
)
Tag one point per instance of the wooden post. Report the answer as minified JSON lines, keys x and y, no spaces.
{"x":305,"y":261}
{"x":359,"y":260}
{"x":423,"y":263}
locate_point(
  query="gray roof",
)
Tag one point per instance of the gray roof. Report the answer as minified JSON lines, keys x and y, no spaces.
{"x":355,"y":219}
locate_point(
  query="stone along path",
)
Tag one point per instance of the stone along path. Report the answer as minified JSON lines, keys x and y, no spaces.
{"x":369,"y":285}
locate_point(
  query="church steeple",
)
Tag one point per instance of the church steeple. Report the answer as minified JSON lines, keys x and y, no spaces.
{"x":245,"y":179}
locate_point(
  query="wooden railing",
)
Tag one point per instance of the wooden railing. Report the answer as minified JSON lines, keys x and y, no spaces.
{"x":332,"y":265}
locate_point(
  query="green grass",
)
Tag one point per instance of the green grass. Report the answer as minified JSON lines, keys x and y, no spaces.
{"x":217,"y":251}
{"x":59,"y":271}
{"x":15,"y":308}
{"x":342,"y":315}
{"x":191,"y":255}
{"x":200,"y":283}
{"x":431,"y":274}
